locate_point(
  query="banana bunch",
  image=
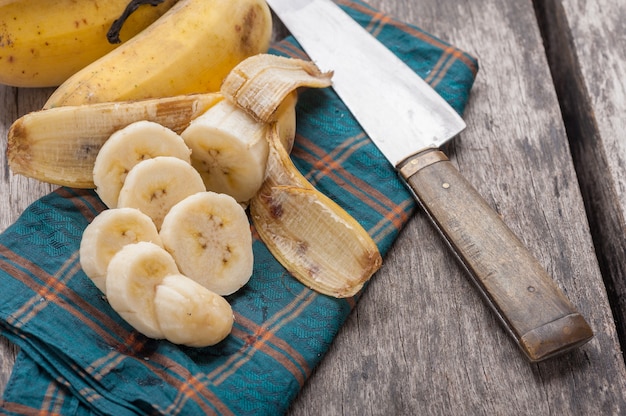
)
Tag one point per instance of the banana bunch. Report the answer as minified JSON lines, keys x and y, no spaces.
{"x":43,"y":42}
{"x":190,"y":49}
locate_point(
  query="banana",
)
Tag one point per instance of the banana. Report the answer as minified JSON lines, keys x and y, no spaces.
{"x":315,"y":239}
{"x":229,"y":150}
{"x":109,"y":231}
{"x":191,"y":315}
{"x":228,"y":142}
{"x":129,"y":146}
{"x":155,"y":185}
{"x":133,"y":275}
{"x":43,"y":42}
{"x":209,"y":236}
{"x":229,"y":147}
{"x":60,"y":145}
{"x":190,"y":49}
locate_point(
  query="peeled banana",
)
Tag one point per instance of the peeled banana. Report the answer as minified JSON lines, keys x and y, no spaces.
{"x":228,"y":142}
{"x":190,"y":49}
{"x":44,"y":42}
{"x":229,"y":150}
{"x":60,"y":145}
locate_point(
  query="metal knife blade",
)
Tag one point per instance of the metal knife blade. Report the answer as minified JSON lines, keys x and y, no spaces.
{"x":408,"y":121}
{"x":400,"y":124}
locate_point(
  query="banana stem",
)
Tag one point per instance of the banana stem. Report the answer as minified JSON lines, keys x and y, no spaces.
{"x":113,"y":35}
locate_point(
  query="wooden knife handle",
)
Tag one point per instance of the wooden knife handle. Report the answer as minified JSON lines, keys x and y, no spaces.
{"x":532,"y":308}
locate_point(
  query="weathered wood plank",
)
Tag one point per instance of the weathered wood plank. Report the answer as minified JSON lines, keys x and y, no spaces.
{"x":586,"y":48}
{"x":420,"y":340}
{"x":17,"y":192}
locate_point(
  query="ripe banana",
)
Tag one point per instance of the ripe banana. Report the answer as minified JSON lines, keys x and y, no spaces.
{"x":190,"y":49}
{"x":60,"y":145}
{"x":129,"y":146}
{"x":155,"y":185}
{"x":190,"y":314}
{"x":43,"y":42}
{"x":312,"y":237}
{"x":109,"y":231}
{"x":133,"y":275}
{"x":208,"y":234}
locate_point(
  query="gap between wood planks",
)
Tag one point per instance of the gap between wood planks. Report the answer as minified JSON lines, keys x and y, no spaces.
{"x":589,"y":156}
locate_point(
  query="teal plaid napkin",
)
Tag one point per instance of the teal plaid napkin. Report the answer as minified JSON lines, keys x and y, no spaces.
{"x":78,"y":357}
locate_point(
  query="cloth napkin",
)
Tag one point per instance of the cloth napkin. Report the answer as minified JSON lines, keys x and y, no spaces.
{"x":77,"y":356}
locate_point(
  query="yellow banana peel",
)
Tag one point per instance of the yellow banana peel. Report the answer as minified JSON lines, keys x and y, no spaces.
{"x":44,"y":42}
{"x":315,"y":239}
{"x":60,"y":145}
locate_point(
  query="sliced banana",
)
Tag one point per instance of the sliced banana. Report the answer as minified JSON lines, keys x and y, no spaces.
{"x":209,"y":236}
{"x":155,"y":185}
{"x":127,"y":147}
{"x":109,"y":231}
{"x":132,"y":278}
{"x":189,"y":314}
{"x":229,"y":149}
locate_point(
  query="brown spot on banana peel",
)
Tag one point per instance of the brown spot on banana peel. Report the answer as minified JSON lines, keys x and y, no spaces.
{"x":317,"y":241}
{"x":26,"y":149}
{"x":275,"y":208}
{"x":18,"y":148}
{"x":251,"y":21}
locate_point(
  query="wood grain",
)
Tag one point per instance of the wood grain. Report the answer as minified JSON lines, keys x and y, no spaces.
{"x":17,"y":192}
{"x":529,"y":304}
{"x":585,"y":44}
{"x":421,"y":340}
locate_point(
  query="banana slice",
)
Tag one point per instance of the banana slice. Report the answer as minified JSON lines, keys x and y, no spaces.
{"x":229,"y":150}
{"x":209,"y":236}
{"x":132,"y":278}
{"x":189,"y":314}
{"x":155,"y":185}
{"x":127,"y":147}
{"x":111,"y":230}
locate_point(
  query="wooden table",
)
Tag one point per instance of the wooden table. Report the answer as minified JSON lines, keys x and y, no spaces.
{"x":545,"y":146}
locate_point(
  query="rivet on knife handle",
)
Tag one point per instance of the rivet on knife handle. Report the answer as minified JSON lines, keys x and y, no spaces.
{"x":533,"y":309}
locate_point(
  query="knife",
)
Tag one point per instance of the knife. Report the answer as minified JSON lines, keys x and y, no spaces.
{"x":409,"y":124}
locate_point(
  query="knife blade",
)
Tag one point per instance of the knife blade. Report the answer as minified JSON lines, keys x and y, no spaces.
{"x":409,"y":123}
